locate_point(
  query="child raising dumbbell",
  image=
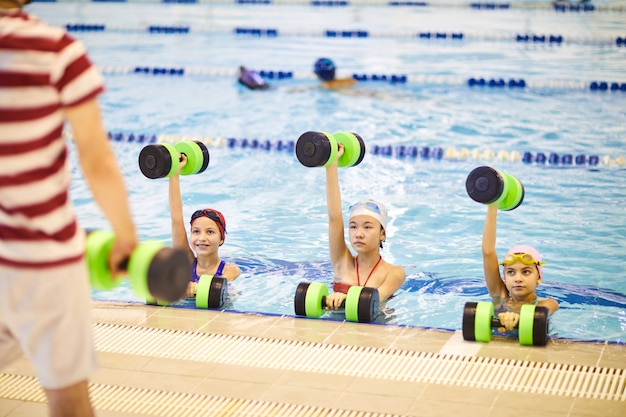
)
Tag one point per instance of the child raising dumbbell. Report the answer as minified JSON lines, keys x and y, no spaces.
{"x":367,"y":224}
{"x":208,"y":231}
{"x":522,"y":269}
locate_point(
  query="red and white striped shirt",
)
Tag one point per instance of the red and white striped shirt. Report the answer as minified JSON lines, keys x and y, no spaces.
{"x":42,"y":70}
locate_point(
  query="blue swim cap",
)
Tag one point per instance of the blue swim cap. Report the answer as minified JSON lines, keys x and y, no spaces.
{"x":325,"y":69}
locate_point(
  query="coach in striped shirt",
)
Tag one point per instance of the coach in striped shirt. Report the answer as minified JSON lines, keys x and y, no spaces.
{"x":46,"y":79}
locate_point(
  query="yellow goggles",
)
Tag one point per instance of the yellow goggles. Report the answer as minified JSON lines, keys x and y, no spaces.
{"x":524,"y":258}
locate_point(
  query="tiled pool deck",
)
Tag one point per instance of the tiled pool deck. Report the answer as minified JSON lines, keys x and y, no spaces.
{"x":158,"y":361}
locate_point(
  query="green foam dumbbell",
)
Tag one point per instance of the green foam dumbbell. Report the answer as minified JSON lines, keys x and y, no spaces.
{"x":479,"y":321}
{"x":154,"y":270}
{"x":319,"y":149}
{"x":211,"y":291}
{"x":362,"y":304}
{"x":489,"y":186}
{"x":162,"y":160}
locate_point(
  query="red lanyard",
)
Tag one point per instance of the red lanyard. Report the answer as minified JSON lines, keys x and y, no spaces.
{"x":358,"y":278}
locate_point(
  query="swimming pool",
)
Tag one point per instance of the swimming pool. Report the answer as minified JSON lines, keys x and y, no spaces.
{"x":574,"y":214}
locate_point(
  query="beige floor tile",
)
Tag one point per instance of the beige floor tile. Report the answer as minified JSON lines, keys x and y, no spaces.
{"x":120,"y":361}
{"x":300,"y":334}
{"x":365,"y":335}
{"x":378,"y":403}
{"x":179,"y":367}
{"x":231,"y":388}
{"x":8,"y":406}
{"x":533,"y":402}
{"x":590,"y":407}
{"x":314,"y":380}
{"x":427,"y":408}
{"x":613,"y":356}
{"x":465,"y":395}
{"x":567,"y":352}
{"x":240,"y":324}
{"x":304,"y":395}
{"x":420,"y":340}
{"x":29,"y":409}
{"x":516,"y":412}
{"x":123,"y":314}
{"x":245,"y":373}
{"x":408,"y":389}
{"x":111,"y":376}
{"x":163,"y":381}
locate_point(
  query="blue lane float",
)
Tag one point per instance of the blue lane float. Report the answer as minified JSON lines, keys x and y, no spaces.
{"x":168,"y":29}
{"x":548,"y":39}
{"x":405,"y":152}
{"x":85,"y":27}
{"x":612,"y":86}
{"x":256,"y":31}
{"x":490,"y":6}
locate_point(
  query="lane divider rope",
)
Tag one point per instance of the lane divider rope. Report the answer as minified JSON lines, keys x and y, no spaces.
{"x":561,"y":7}
{"x":405,"y":152}
{"x":596,"y":85}
{"x":523,"y":38}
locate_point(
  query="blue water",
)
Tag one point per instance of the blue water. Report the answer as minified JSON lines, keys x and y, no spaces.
{"x":276,"y":208}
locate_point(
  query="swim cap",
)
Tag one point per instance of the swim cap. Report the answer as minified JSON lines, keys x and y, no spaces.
{"x":531,"y":251}
{"x":325,"y":69}
{"x":371,"y":208}
{"x":214,"y":215}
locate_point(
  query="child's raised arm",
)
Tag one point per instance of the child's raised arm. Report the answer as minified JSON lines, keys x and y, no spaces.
{"x":339,"y":252}
{"x":493,"y":280}
{"x":179,"y":232}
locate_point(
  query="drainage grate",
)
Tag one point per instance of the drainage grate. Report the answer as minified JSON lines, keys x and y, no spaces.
{"x":172,"y":404}
{"x":478,"y":372}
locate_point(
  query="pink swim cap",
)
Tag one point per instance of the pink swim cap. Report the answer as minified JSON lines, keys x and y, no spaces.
{"x":532,"y":252}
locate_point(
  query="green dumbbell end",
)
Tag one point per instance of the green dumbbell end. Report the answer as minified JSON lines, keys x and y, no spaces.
{"x":354,"y":149}
{"x":315,"y":299}
{"x":362,"y":304}
{"x":514,"y":193}
{"x":154,"y":302}
{"x":316,"y":149}
{"x":533,"y":325}
{"x":484,"y":185}
{"x":482,"y":322}
{"x":158,"y":161}
{"x":139,"y":264}
{"x":97,"y":250}
{"x":210,"y":292}
{"x":195,"y":157}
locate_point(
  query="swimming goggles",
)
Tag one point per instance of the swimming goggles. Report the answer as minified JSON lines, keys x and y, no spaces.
{"x":370,"y":205}
{"x":211,"y":215}
{"x":524,"y":258}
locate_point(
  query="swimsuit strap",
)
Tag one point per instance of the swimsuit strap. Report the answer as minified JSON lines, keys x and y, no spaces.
{"x":194,"y":274}
{"x":220,"y":269}
{"x":356,"y":265}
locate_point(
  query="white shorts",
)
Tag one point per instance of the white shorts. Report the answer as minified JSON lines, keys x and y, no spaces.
{"x":46,"y":315}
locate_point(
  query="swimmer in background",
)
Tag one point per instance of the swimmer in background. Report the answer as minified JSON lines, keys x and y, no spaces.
{"x":522,"y":269}
{"x":325,"y":70}
{"x":368,"y":221}
{"x":252,"y":79}
{"x":208,"y":231}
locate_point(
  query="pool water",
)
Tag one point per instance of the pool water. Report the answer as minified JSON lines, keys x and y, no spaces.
{"x":275,"y":207}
